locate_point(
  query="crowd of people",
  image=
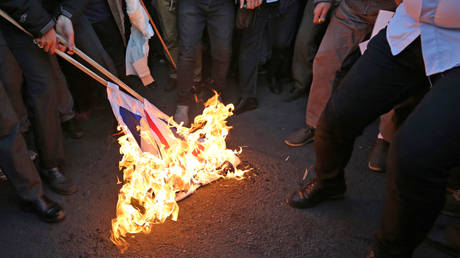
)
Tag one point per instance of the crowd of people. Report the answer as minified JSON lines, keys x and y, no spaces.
{"x":406,"y":77}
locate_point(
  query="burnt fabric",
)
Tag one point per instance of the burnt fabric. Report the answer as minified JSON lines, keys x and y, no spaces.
{"x":14,"y":158}
{"x":418,"y":160}
{"x":193,"y":17}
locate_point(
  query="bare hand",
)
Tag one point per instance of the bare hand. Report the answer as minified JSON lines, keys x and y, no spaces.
{"x":64,"y":28}
{"x":250,"y":4}
{"x":320,"y":12}
{"x":48,"y":41}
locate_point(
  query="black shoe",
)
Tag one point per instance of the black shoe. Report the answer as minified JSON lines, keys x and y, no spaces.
{"x":316,"y":192}
{"x":58,"y":181}
{"x":245,"y":104}
{"x":72,"y":128}
{"x":171,"y":85}
{"x":46,"y":209}
{"x":295,"y":94}
{"x":377,"y":158}
{"x":274,"y":85}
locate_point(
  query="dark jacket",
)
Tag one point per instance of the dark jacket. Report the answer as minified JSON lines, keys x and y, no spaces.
{"x":38,"y":16}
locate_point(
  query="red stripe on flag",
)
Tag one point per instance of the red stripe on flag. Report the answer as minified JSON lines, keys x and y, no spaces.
{"x":156,"y":130}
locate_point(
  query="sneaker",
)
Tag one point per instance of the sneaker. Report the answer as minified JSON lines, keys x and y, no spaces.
{"x":378,"y":156}
{"x":300,"y":137}
{"x":181,"y":115}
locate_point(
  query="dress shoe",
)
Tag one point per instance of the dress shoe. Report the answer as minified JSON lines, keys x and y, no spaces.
{"x":300,"y":137}
{"x":316,"y":192}
{"x":378,"y":156}
{"x":274,"y":85}
{"x":46,"y":209}
{"x":171,"y":85}
{"x":295,"y":94}
{"x":245,"y":104}
{"x":72,"y":128}
{"x":181,"y":115}
{"x":58,"y":181}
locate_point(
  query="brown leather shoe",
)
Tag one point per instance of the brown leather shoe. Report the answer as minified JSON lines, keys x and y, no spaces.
{"x":300,"y":137}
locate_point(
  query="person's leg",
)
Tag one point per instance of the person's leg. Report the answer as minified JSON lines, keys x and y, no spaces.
{"x":41,"y":92}
{"x":11,"y":76}
{"x":220,"y":23}
{"x":15,"y":161}
{"x":167,"y":15}
{"x":418,"y":166}
{"x":388,"y":126}
{"x":41,"y":95}
{"x":307,"y":42}
{"x":249,"y":58}
{"x":348,"y":28}
{"x":191,"y":22}
{"x":376,"y":83}
{"x":282,"y":31}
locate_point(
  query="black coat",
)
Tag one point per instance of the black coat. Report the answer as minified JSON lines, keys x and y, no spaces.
{"x":38,"y":16}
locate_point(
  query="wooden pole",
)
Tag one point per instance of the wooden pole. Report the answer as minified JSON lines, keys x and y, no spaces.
{"x":79,"y":65}
{"x":159,"y":35}
{"x":101,"y":69}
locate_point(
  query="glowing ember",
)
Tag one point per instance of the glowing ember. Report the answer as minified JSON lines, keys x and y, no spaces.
{"x":152,"y":185}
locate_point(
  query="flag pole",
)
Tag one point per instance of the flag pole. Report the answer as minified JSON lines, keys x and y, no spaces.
{"x":79,"y":65}
{"x":159,"y":35}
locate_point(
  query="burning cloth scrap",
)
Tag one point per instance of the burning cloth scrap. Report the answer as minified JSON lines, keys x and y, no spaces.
{"x":164,"y":162}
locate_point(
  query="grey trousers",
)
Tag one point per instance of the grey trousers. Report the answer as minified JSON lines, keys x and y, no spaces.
{"x":351,"y":24}
{"x":40,"y":92}
{"x":14,"y":159}
{"x":308,"y":39}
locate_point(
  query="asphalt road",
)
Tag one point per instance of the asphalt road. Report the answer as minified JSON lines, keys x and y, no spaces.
{"x":227,"y":218}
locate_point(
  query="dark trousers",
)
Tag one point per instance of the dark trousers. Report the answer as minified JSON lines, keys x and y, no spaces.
{"x":83,"y":88}
{"x":40,"y":92}
{"x":14,"y":159}
{"x":193,"y":16}
{"x":281,"y":29}
{"x":423,"y":150}
{"x":307,"y":42}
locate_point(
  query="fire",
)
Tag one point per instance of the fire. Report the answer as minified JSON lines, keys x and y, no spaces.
{"x":152,"y":185}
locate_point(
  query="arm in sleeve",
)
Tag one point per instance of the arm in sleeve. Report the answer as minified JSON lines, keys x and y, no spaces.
{"x":72,"y":9}
{"x":30,"y":14}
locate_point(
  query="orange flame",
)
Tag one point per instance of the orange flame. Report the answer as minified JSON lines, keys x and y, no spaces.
{"x":152,"y":185}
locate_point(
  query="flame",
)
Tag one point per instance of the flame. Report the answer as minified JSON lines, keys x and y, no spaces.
{"x":151,"y":185}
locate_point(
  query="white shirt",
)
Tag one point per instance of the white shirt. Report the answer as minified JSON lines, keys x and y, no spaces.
{"x":436,"y":22}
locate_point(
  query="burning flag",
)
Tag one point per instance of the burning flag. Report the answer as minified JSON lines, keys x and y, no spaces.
{"x":164,"y":162}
